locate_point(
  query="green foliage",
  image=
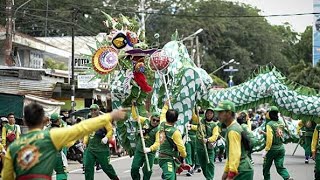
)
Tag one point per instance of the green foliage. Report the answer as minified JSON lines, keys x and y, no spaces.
{"x":250,"y":41}
{"x":52,"y":64}
{"x":304,"y":46}
{"x":218,"y":82}
{"x":228,"y":31}
{"x":306,"y":75}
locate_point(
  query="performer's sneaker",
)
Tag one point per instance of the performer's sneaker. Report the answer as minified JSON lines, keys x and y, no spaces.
{"x":190,"y":172}
{"x":98,"y":168}
{"x":83,"y":170}
{"x":306,"y":161}
{"x":197,"y":169}
{"x":290,"y":178}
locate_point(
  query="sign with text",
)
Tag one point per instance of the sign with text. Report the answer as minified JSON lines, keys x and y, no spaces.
{"x":80,"y":62}
{"x":87,"y":82}
{"x":316,"y":33}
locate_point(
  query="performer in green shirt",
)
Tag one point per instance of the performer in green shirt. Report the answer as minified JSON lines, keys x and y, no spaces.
{"x":171,"y":144}
{"x":33,"y":156}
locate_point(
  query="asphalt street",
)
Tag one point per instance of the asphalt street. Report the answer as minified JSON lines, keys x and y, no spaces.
{"x":295,"y":165}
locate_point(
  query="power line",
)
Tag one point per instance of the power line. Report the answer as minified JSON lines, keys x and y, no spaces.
{"x":60,"y":21}
{"x":127,"y":10}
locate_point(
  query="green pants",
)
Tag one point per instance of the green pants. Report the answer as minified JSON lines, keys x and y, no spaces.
{"x":307,"y":145}
{"x":207,"y":168}
{"x":317,"y":167}
{"x":60,"y":169}
{"x":244,"y":175}
{"x":192,"y":158}
{"x":169,"y":169}
{"x":219,"y":150}
{"x":278,"y":157}
{"x":103,"y":158}
{"x":139,"y":161}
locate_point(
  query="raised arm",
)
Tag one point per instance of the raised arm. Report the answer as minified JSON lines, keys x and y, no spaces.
{"x":135,"y":114}
{"x":61,"y":136}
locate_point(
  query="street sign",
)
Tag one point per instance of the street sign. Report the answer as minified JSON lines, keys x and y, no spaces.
{"x":230,"y":69}
{"x":86,"y":82}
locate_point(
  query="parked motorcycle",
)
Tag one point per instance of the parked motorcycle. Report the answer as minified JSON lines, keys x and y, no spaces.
{"x":75,"y":152}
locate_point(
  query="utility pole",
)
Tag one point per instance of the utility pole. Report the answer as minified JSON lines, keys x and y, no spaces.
{"x":46,"y":27}
{"x":8,"y":42}
{"x":143,"y":16}
{"x":73,"y":88}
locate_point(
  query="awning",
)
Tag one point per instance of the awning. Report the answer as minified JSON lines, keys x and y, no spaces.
{"x":49,"y":105}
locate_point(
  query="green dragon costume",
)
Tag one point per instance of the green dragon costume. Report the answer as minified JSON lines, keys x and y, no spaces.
{"x":190,"y":86}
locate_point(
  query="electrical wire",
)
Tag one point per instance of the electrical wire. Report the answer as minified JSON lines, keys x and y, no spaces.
{"x":127,"y":10}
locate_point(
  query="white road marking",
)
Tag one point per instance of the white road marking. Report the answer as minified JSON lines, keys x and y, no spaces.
{"x":112,"y":160}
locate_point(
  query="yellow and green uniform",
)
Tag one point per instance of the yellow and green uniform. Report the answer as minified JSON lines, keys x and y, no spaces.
{"x":151,"y":138}
{"x":33,"y":155}
{"x":307,"y":129}
{"x":315,"y":148}
{"x":98,"y":152}
{"x":60,"y":168}
{"x":238,"y":162}
{"x":8,"y":128}
{"x":171,"y":144}
{"x":211,"y":132}
{"x":275,"y":150}
{"x":192,"y":158}
{"x":220,"y":146}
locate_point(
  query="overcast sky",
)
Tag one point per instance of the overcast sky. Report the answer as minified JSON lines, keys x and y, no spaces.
{"x":268,"y":7}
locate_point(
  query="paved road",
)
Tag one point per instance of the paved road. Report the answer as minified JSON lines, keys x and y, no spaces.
{"x":295,"y":164}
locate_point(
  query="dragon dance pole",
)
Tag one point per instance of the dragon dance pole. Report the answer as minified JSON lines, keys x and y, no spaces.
{"x":295,"y":149}
{"x":202,"y":134}
{"x":142,"y":140}
{"x":166,"y":88}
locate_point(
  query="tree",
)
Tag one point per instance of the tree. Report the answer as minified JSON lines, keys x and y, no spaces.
{"x":228,"y":34}
{"x":231,"y":30}
{"x":304,"y":46}
{"x":306,"y":75}
{"x":52,"y":64}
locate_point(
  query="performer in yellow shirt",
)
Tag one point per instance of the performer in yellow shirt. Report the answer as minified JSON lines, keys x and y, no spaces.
{"x":31,"y":156}
{"x":274,"y":150}
{"x":150,"y":128}
{"x":171,"y":144}
{"x":10,"y":131}
{"x":305,"y":131}
{"x":207,"y":135}
{"x":98,"y":149}
{"x":191,"y":149}
{"x":238,"y":166}
{"x":315,"y":148}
